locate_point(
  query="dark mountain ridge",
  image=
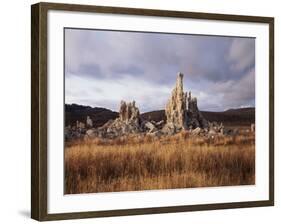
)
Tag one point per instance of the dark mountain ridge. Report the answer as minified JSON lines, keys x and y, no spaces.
{"x":74,"y":112}
{"x":99,"y":115}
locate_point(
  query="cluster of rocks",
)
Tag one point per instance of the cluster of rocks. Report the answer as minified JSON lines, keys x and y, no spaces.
{"x":181,"y":111}
{"x":128,"y":122}
{"x":74,"y":132}
{"x":79,"y":130}
{"x":212,"y":130}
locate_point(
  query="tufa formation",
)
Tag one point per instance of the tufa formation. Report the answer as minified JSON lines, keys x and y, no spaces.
{"x":181,"y":112}
{"x":128,"y":112}
{"x":176,"y":107}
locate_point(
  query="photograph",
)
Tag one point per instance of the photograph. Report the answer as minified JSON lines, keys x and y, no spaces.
{"x":153,"y":110}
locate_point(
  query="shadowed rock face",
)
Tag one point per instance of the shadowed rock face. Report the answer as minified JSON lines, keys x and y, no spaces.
{"x":195,"y":118}
{"x":176,"y":107}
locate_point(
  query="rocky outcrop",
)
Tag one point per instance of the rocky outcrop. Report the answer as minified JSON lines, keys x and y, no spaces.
{"x":128,"y":122}
{"x":80,"y":125}
{"x":176,"y":107}
{"x":89,"y":122}
{"x":252,"y":127}
{"x":128,"y":112}
{"x":148,"y":126}
{"x":195,"y":118}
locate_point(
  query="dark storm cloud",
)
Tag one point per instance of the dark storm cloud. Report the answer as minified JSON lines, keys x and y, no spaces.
{"x":126,"y":69}
{"x":219,"y":70}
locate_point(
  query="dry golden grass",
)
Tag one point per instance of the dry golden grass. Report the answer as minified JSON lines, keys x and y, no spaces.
{"x":146,"y":163}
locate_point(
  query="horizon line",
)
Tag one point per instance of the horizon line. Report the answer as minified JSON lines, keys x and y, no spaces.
{"x":232,"y":108}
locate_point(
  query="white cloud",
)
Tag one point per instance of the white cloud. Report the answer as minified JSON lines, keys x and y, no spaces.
{"x":99,"y":91}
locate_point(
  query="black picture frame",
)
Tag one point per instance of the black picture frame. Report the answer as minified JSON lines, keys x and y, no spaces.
{"x":39,"y":110}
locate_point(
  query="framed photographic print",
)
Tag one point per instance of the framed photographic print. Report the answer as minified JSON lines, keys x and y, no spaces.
{"x":140,"y":111}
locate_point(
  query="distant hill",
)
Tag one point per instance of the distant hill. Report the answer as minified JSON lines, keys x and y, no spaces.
{"x":74,"y":112}
{"x":156,"y":115}
{"x":241,"y":116}
{"x":100,"y":116}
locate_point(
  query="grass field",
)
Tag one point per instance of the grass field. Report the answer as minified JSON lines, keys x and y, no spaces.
{"x":145,"y":163}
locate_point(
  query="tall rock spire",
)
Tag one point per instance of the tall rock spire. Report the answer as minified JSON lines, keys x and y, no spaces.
{"x":176,"y":106}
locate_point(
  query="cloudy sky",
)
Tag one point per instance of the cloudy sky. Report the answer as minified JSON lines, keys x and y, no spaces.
{"x":104,"y":67}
